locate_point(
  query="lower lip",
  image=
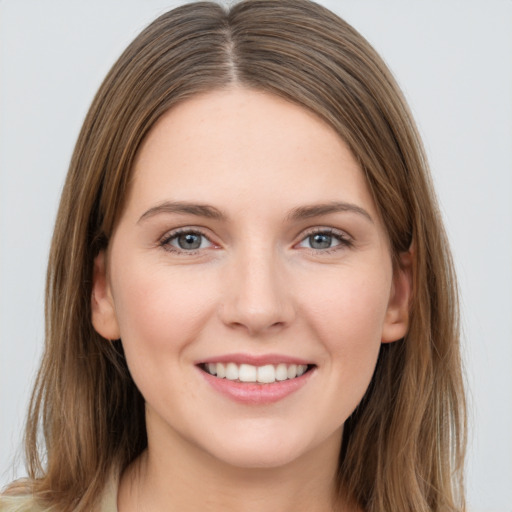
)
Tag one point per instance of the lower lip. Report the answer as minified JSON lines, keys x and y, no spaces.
{"x":253,"y":393}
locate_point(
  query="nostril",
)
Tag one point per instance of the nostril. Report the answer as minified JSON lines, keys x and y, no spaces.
{"x":257,"y":301}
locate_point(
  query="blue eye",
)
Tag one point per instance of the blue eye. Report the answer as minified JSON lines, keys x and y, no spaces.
{"x":321,"y":241}
{"x":189,"y":241}
{"x":185,"y":241}
{"x":324,"y":240}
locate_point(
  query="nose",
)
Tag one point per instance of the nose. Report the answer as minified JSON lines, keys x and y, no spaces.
{"x":257,"y":297}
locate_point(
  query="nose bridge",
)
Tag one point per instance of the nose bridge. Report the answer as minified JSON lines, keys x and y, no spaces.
{"x":256,"y":295}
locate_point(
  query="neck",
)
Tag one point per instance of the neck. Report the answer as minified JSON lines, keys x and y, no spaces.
{"x":188,"y":479}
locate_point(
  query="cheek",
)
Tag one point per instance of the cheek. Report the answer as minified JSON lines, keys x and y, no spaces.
{"x":351,"y":305}
{"x":347,"y":315}
{"x":159,"y":312}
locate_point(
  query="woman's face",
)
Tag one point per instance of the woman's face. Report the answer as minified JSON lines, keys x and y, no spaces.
{"x":250,"y":280}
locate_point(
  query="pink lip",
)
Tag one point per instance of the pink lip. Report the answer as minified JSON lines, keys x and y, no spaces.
{"x":254,"y":393}
{"x":255,"y":360}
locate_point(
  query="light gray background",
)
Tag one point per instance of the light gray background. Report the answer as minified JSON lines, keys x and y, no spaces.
{"x":453,"y":59}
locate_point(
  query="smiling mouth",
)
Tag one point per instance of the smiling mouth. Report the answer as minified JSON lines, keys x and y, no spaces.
{"x":266,"y":374}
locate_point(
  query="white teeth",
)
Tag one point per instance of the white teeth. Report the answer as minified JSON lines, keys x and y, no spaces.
{"x":266,"y":374}
{"x":281,"y":372}
{"x":248,"y":373}
{"x":221,"y":370}
{"x":231,"y":371}
{"x":292,"y":371}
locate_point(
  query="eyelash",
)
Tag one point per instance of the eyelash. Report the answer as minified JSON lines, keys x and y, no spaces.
{"x":165,"y":242}
{"x":345,"y":242}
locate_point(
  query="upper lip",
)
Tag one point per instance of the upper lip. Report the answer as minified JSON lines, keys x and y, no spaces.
{"x":255,"y":360}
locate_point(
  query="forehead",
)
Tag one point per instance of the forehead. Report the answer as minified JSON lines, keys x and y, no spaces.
{"x":238,"y":146}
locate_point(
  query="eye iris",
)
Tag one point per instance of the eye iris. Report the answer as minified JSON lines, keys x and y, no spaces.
{"x":320,"y":241}
{"x":189,"y":241}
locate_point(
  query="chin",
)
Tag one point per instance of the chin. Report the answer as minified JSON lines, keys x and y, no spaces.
{"x":266,"y":450}
{"x":256,"y":457}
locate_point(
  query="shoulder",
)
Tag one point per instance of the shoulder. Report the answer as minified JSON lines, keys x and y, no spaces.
{"x":107,"y":502}
{"x":25,"y":503}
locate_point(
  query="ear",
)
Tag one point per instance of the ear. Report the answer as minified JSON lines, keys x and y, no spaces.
{"x":104,"y":317}
{"x":396,"y":322}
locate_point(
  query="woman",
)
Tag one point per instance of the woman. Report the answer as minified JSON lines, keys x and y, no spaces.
{"x":250,"y":301}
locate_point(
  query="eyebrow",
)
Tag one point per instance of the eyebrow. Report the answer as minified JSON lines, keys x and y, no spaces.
{"x":200,"y":210}
{"x":316,"y":210}
{"x":210,"y":212}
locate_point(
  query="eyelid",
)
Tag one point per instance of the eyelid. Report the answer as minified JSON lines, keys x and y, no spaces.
{"x":345,"y":240}
{"x":164,"y":241}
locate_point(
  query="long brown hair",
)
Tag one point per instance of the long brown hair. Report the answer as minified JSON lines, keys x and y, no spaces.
{"x":403,"y":447}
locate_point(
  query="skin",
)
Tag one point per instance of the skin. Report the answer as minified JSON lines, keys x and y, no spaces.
{"x":257,"y":285}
